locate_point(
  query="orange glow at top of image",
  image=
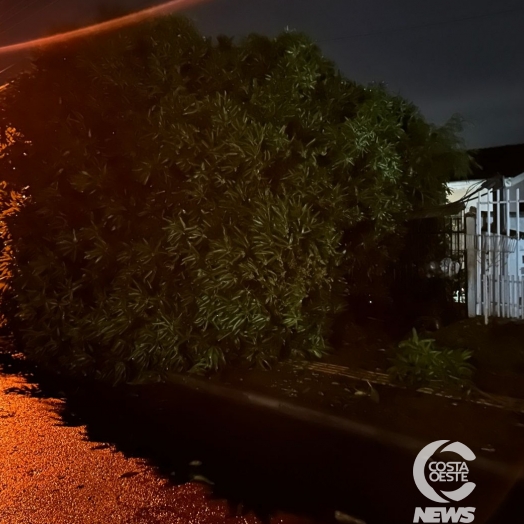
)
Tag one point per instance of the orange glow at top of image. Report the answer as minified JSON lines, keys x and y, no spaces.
{"x":117,"y":23}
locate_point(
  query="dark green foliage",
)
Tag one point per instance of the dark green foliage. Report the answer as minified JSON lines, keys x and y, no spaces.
{"x":194,"y":203}
{"x":419,"y":363}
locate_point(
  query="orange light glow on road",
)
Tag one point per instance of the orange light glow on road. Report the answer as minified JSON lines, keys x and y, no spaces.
{"x":110,"y":25}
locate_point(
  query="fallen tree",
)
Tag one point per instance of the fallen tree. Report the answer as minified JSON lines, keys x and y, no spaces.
{"x":192,"y":202}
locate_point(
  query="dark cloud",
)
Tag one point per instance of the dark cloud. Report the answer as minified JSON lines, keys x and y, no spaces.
{"x":448,"y":57}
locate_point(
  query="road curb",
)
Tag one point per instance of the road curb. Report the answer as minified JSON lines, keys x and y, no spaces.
{"x":370,"y":432}
{"x":375,"y":377}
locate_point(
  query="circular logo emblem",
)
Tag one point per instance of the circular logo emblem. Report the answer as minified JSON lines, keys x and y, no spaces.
{"x":443,"y":471}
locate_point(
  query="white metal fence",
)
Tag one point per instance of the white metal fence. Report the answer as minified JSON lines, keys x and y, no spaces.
{"x":495,"y":253}
{"x":501,"y":296}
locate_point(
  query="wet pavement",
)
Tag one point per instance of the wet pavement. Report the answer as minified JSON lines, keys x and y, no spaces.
{"x":51,"y":473}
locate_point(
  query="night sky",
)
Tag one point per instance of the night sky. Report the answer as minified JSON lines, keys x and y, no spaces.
{"x":448,"y":57}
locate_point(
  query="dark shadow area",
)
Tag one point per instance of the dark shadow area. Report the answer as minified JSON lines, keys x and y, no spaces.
{"x":498,"y":352}
{"x":511,"y":510}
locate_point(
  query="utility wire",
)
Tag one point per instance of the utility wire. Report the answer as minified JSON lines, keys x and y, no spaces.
{"x":418,"y":26}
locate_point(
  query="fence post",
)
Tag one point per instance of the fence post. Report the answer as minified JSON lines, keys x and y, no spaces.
{"x":486,"y":299}
{"x":471,"y":262}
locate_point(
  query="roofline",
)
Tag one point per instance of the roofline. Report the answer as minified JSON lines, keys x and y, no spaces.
{"x":514,"y":180}
{"x":508,"y":181}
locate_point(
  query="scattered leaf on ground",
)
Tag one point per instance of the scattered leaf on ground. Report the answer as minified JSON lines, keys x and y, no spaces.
{"x":347,"y":519}
{"x":201,"y":478}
